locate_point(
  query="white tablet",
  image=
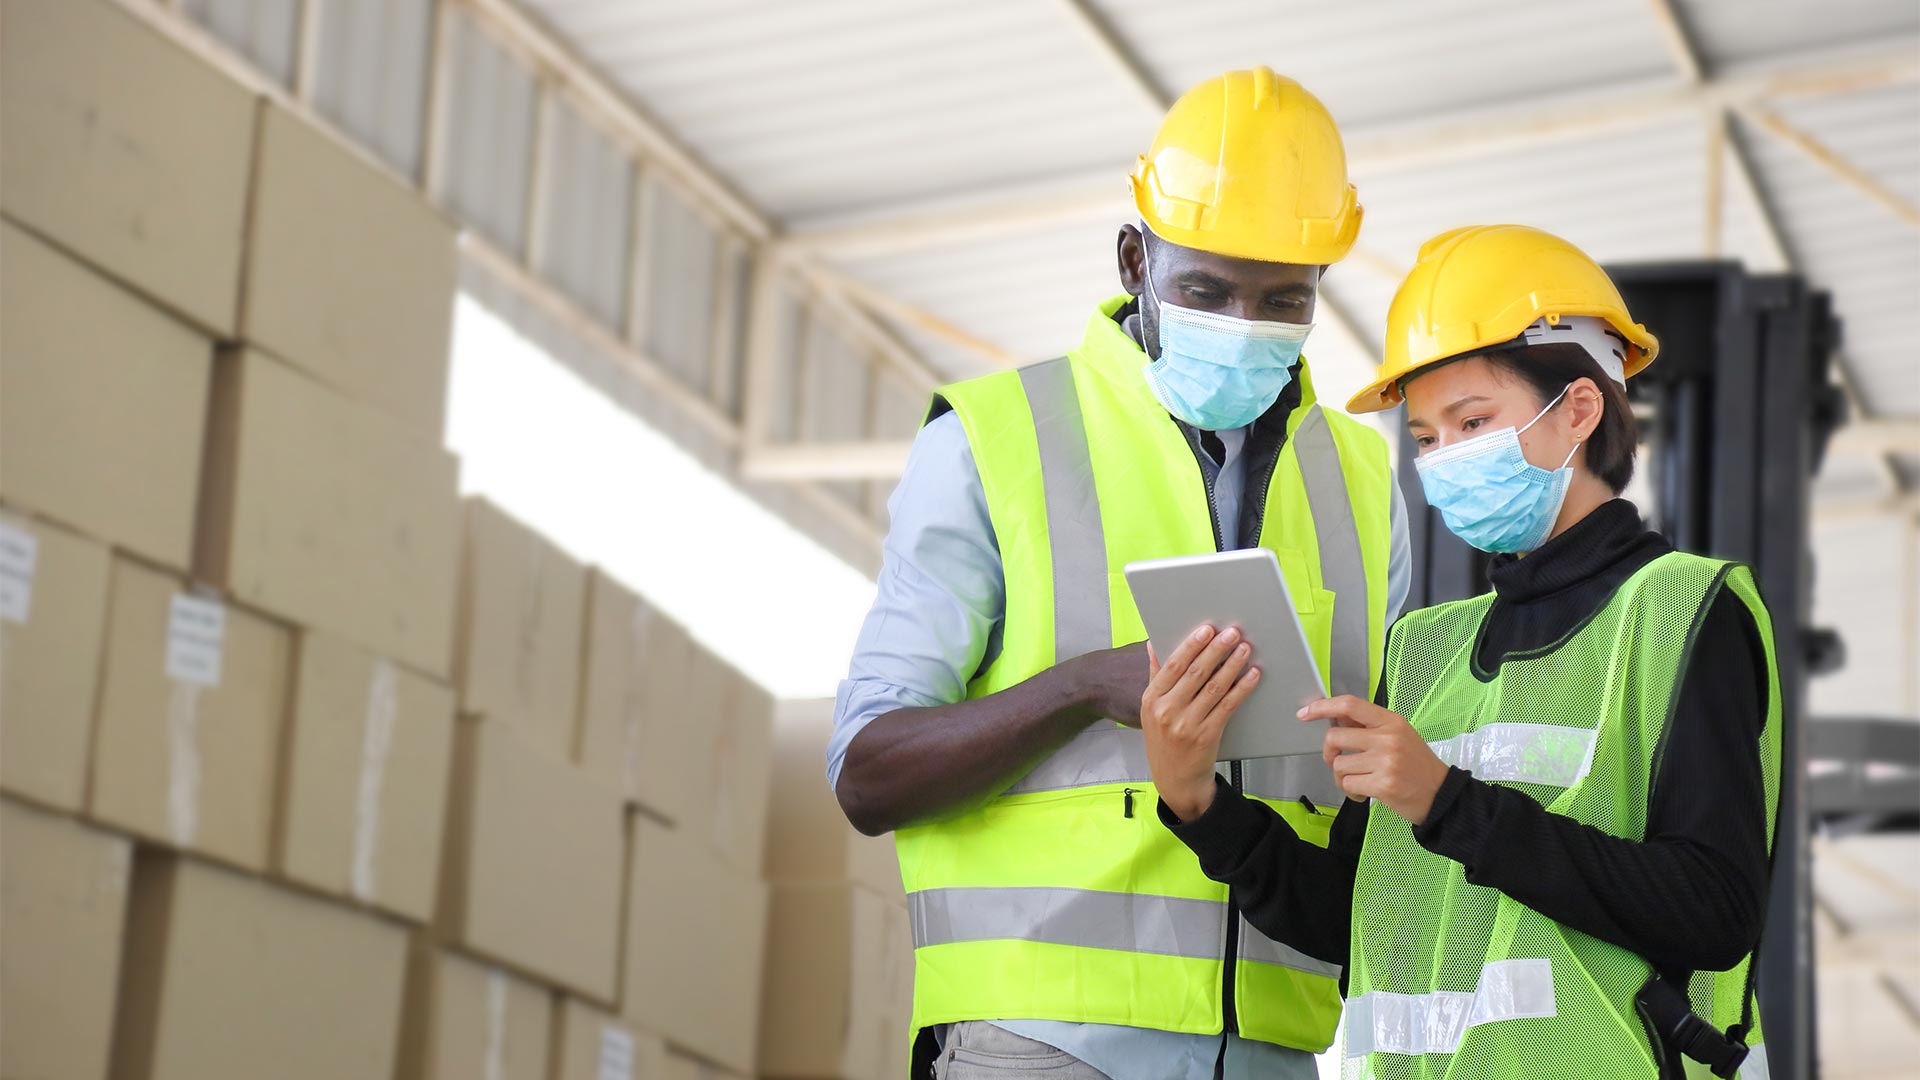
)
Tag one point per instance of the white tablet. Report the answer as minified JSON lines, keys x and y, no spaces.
{"x":1243,"y":589}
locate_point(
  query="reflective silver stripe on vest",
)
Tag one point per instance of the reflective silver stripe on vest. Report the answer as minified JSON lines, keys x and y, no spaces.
{"x":1082,"y":612}
{"x":1130,"y":922}
{"x":1755,"y":1067}
{"x":1343,"y":568}
{"x":1082,"y":618}
{"x":1382,"y":1022}
{"x":1522,"y":753}
{"x":1261,"y":949}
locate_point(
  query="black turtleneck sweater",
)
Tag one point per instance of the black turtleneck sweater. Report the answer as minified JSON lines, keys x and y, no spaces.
{"x":1689,"y":897}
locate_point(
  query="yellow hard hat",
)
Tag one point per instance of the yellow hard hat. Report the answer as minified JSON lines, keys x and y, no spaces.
{"x":1485,"y":285}
{"x":1249,"y":165}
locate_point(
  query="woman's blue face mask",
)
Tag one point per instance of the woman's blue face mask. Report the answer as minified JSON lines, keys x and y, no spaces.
{"x":1218,"y":372}
{"x":1490,"y":495}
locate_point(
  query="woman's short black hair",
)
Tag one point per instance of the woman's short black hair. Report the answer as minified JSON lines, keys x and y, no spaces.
{"x":1549,"y":369}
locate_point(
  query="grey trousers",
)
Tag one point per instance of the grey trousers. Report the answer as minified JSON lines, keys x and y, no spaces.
{"x":977,"y":1050}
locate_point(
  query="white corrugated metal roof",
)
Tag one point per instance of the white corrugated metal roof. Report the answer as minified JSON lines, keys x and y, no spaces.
{"x":829,"y":105}
{"x":1735,"y":31}
{"x":1376,"y":61}
{"x":943,"y":113}
{"x":847,"y":109}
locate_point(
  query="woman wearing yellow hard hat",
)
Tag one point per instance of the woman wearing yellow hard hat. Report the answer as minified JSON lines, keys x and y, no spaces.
{"x":1553,"y":858}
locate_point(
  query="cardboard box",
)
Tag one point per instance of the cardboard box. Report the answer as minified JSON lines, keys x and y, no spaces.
{"x":349,"y":274}
{"x":63,"y":901}
{"x":837,"y":1000}
{"x":706,"y":746}
{"x":330,"y":514}
{"x":695,"y":928}
{"x":808,"y":838}
{"x":364,"y":796}
{"x":106,"y":399}
{"x":191,"y":704}
{"x":229,"y":975}
{"x":53,"y":626}
{"x":126,"y":150}
{"x":592,"y":1044}
{"x":534,"y":862}
{"x":607,"y":740}
{"x":466,"y":1020}
{"x":521,"y":600}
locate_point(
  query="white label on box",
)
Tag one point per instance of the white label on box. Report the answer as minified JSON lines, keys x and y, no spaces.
{"x":616,"y":1054}
{"x":19,"y":554}
{"x":196,"y":638}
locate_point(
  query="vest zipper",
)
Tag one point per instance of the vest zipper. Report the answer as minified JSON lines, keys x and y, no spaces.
{"x":1258,"y":492}
{"x":1127,"y":810}
{"x":1229,"y":1012}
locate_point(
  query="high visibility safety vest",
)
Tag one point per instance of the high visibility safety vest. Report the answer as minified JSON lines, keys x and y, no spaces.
{"x":1461,"y":981}
{"x":1064,"y":898}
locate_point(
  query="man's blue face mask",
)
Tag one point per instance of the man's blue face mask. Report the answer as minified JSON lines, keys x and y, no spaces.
{"x":1490,"y":495}
{"x":1218,"y":372}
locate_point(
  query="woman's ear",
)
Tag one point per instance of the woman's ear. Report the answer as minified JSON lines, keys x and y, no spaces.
{"x":1585,"y":405}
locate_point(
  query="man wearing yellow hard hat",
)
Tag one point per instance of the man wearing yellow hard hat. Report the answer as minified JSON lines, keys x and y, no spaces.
{"x":1554,"y":860}
{"x":990,"y":717}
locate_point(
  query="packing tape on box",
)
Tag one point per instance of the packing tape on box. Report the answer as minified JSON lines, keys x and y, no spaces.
{"x":376,"y":746}
{"x":726,"y":812}
{"x":495,"y":1063}
{"x":634,"y":698}
{"x":183,"y":762}
{"x":526,"y":672}
{"x":616,"y":1053}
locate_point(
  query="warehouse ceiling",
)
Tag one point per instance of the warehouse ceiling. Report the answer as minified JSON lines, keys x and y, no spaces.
{"x":962,"y":160}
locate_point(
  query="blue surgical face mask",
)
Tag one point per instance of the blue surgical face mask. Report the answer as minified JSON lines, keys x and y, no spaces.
{"x":1217,"y":372}
{"x":1490,"y":495}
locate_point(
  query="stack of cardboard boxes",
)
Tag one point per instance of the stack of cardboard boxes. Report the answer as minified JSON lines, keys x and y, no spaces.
{"x":307,"y":767}
{"x":230,"y":533}
{"x":837,"y":997}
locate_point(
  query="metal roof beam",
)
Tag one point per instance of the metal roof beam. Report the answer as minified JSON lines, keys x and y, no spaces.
{"x":1747,"y":185}
{"x":1107,"y":41}
{"x":1839,"y":167}
{"x":1877,"y":437}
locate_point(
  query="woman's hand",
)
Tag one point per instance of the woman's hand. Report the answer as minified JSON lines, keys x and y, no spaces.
{"x":1376,"y":754}
{"x":1188,"y":701}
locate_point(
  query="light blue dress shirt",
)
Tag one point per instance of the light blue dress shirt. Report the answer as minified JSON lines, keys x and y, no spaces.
{"x":936,"y":622}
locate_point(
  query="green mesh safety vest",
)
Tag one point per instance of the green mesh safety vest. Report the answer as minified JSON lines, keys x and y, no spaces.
{"x":1064,"y":898}
{"x":1460,"y":981}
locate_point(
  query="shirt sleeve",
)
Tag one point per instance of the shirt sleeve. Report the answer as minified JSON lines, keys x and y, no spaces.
{"x":940,"y":597}
{"x":1691,"y":895}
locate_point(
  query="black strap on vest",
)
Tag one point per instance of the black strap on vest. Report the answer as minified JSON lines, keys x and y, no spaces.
{"x":1664,"y":1008}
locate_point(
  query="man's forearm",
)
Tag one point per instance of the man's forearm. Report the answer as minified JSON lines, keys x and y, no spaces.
{"x":911,"y":765}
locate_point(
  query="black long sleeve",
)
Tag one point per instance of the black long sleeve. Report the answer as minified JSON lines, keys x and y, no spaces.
{"x":1296,"y":893}
{"x":1692,"y":894}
